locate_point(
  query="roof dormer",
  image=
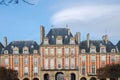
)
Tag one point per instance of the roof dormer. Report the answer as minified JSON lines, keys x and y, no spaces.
{"x":102,"y":49}
{"x":46,"y":41}
{"x":25,"y":50}
{"x":72,"y":40}
{"x":59,"y":40}
{"x":92,"y":49}
{"x":15,"y":50}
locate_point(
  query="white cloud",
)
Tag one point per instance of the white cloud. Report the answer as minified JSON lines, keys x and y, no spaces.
{"x":96,"y":20}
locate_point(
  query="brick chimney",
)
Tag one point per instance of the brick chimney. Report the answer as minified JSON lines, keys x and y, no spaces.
{"x":42,"y":33}
{"x":5,"y":41}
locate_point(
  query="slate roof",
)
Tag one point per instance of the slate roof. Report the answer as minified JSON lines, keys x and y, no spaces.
{"x":59,"y":32}
{"x":1,"y":48}
{"x":97,"y":43}
{"x":118,"y":46}
{"x":32,"y":45}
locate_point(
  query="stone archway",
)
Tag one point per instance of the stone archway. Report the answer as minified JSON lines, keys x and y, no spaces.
{"x":46,"y":76}
{"x":103,"y":79}
{"x":59,"y":76}
{"x":93,"y":78}
{"x":83,"y":78}
{"x":25,"y":79}
{"x":73,"y":76}
{"x":35,"y":79}
{"x":16,"y":79}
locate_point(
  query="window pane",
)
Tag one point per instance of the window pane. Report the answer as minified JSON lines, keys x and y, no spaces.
{"x":93,"y":58}
{"x":83,"y":58}
{"x":35,"y":60}
{"x":52,"y":63}
{"x":6,"y":61}
{"x":103,"y":58}
{"x":46,"y":63}
{"x":46,"y":51}
{"x":51,"y":51}
{"x":25,"y":60}
{"x":15,"y":61}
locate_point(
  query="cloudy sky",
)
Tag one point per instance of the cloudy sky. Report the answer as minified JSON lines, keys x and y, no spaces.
{"x":97,"y":17}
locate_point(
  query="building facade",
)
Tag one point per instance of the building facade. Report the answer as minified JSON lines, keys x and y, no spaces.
{"x":60,"y":56}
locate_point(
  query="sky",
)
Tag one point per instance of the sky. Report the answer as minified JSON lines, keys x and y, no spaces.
{"x":21,"y":21}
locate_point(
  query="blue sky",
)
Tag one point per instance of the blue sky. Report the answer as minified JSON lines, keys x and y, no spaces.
{"x":97,"y":17}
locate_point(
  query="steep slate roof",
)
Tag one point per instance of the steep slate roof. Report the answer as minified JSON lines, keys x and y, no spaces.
{"x":32,"y":45}
{"x":59,"y":32}
{"x":1,"y":48}
{"x":97,"y":43}
{"x":118,"y":46}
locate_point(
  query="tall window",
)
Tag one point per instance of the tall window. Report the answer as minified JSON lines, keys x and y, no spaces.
{"x":59,"y":51}
{"x":83,"y":70}
{"x":66,"y":63}
{"x":46,"y":51}
{"x":72,"y":51}
{"x":35,"y":60}
{"x":6,"y":61}
{"x":51,"y":51}
{"x":15,"y":61}
{"x":93,"y":69}
{"x":35,"y":70}
{"x":46,"y":63}
{"x":66,"y":51}
{"x":25,"y":70}
{"x":93,"y":58}
{"x":103,"y":58}
{"x":25,"y":60}
{"x":83,"y":58}
{"x":52,"y":63}
{"x":112,"y":58}
{"x":59,"y":62}
{"x":102,"y":50}
{"x":72,"y":63}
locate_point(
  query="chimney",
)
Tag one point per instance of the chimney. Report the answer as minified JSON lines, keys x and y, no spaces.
{"x":77,"y":37}
{"x":5,"y":41}
{"x":106,"y":39}
{"x":68,"y":31}
{"x":88,"y":40}
{"x":42,"y":33}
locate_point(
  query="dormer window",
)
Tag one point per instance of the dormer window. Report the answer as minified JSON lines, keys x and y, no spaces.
{"x":35,"y":51}
{"x":72,"y":40}
{"x":113,"y":51}
{"x":102,"y":49}
{"x":15,"y":50}
{"x":66,"y":36}
{"x":25,"y":50}
{"x":6,"y":52}
{"x":59,"y":40}
{"x":83,"y":51}
{"x":45,"y":40}
{"x":92,"y":49}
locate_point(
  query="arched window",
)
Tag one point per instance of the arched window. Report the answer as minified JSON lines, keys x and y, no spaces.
{"x":59,"y":76}
{"x":83,"y":78}
{"x":35,"y":79}
{"x":73,"y":77}
{"x":25,"y":79}
{"x":93,"y":78}
{"x":46,"y":76}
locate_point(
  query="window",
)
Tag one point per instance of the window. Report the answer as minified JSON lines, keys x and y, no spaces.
{"x":15,"y":61}
{"x":59,"y":40}
{"x":83,"y":58}
{"x":92,"y":50}
{"x":52,"y":63}
{"x":59,"y":51}
{"x":59,"y":62}
{"x":52,"y":51}
{"x":72,"y":63}
{"x":35,"y":70}
{"x":93,"y":69}
{"x":102,"y":50}
{"x":103,"y":58}
{"x":25,"y":51}
{"x":6,"y":61}
{"x":72,"y":41}
{"x":15,"y":52}
{"x":83,"y":70}
{"x":72,"y":51}
{"x":25,"y":71}
{"x":93,"y":58}
{"x":66,"y":51}
{"x":46,"y":63}
{"x":25,"y":60}
{"x":35,"y":60}
{"x":112,"y":58}
{"x":66,"y":63}
{"x":46,"y":51}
